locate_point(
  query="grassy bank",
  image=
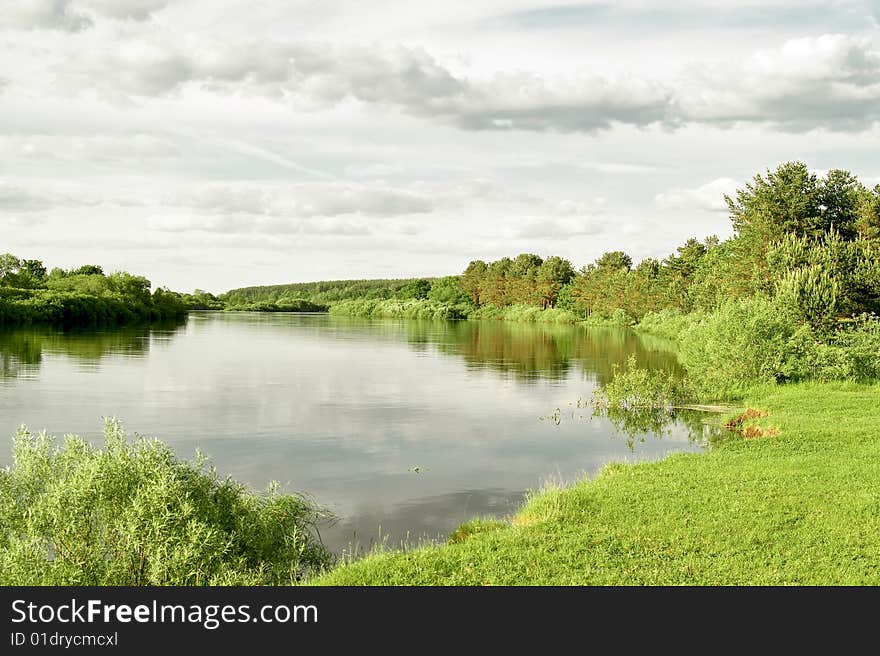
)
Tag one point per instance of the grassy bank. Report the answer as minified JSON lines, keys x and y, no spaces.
{"x":799,"y":507}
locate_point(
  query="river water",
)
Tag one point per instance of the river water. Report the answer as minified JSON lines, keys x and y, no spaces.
{"x":403,"y":429}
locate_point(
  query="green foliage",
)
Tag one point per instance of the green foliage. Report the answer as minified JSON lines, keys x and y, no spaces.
{"x":812,"y":293}
{"x":634,"y":387}
{"x":417,"y":289}
{"x":525,"y":280}
{"x":745,"y":342}
{"x":669,"y":323}
{"x":400,"y":309}
{"x":283,"y":304}
{"x":448,"y":290}
{"x":324,"y":292}
{"x":132,"y":514}
{"x":617,"y":318}
{"x":474,"y":527}
{"x":82,"y":297}
{"x":201,"y":300}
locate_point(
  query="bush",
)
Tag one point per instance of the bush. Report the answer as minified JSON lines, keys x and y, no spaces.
{"x":851,"y":353}
{"x":400,"y":309}
{"x":618,"y":318}
{"x":669,"y":323}
{"x":745,"y":342}
{"x":132,"y":514}
{"x":636,"y":387}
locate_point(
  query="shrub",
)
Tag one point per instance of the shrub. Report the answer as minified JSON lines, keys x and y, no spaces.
{"x":618,"y":317}
{"x":744,"y":342}
{"x":132,"y":514}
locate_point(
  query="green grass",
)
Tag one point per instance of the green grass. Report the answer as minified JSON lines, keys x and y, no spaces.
{"x":802,"y":507}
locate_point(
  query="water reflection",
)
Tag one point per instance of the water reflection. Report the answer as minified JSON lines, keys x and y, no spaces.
{"x":411,"y":523}
{"x":635,"y":425}
{"x":22,"y":349}
{"x":524,"y":351}
{"x":348,"y":409}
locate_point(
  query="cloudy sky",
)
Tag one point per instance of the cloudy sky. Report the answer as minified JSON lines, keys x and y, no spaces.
{"x":219,"y":143}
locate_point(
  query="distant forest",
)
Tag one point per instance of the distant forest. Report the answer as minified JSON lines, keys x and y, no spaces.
{"x":816,"y":238}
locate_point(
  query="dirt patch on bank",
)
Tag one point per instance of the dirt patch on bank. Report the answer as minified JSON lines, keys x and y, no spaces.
{"x":750,"y":432}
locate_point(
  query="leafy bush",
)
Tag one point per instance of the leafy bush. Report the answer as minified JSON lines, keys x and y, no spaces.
{"x":284,"y":304}
{"x":851,"y":353}
{"x":744,"y":342}
{"x":637,"y":387}
{"x":132,"y":514}
{"x":618,"y":317}
{"x":400,"y":309}
{"x":669,"y":323}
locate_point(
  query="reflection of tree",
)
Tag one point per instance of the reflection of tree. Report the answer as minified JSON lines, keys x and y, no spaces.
{"x":530,"y":351}
{"x":21,"y":350}
{"x":637,"y":423}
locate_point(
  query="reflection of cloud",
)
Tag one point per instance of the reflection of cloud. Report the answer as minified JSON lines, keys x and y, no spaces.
{"x":414,"y":520}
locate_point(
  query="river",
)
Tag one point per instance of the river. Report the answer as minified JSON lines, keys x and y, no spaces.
{"x":403,"y":429}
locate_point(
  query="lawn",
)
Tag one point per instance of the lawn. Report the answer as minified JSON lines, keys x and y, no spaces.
{"x":799,"y":507}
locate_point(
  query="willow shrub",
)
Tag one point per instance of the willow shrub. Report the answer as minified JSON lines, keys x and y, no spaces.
{"x":745,"y":342}
{"x":131,"y":513}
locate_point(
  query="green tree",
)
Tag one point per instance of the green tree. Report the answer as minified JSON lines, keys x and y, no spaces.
{"x":552,"y":275}
{"x":9,"y":267}
{"x":418,"y":289}
{"x":473,"y":280}
{"x":787,"y":200}
{"x":88,"y":270}
{"x":614,"y":260}
{"x":448,"y":290}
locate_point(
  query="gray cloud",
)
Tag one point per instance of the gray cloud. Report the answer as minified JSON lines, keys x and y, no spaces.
{"x":138,"y":10}
{"x":832,"y":81}
{"x":689,"y":15}
{"x":306,"y":200}
{"x":73,"y":15}
{"x":316,"y":76}
{"x":242,"y":224}
{"x":43,"y":14}
{"x":16,"y":198}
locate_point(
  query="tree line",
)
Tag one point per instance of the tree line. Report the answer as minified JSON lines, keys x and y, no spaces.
{"x":83,"y":296}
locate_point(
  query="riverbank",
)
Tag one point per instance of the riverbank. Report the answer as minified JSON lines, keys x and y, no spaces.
{"x":797,"y":507}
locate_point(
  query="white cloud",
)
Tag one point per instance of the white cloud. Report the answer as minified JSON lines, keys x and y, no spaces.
{"x":43,"y":14}
{"x":125,"y":9}
{"x":556,"y":229}
{"x":313,"y":76}
{"x":831,"y":81}
{"x":73,"y":15}
{"x":88,"y":148}
{"x":16,"y":198}
{"x":305,"y":200}
{"x":709,"y":196}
